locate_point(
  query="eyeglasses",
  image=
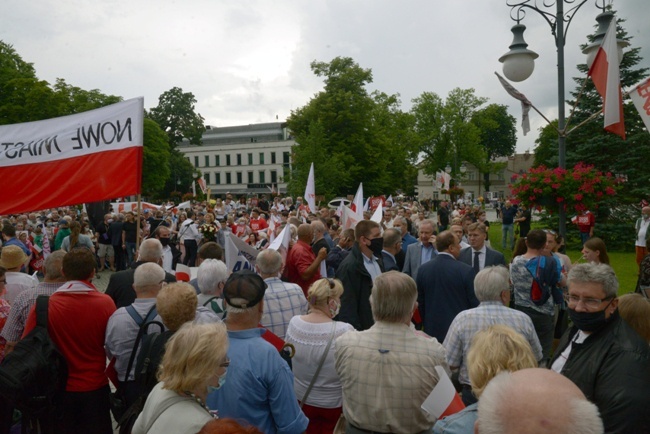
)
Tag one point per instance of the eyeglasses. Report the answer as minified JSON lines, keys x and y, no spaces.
{"x":589,"y":303}
{"x":225,"y":364}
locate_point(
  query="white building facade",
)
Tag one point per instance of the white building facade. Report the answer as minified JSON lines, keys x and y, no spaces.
{"x":245,"y":159}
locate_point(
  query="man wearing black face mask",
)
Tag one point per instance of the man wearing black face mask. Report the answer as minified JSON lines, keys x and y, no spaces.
{"x":601,"y":354}
{"x":171,"y":255}
{"x":357,"y":273}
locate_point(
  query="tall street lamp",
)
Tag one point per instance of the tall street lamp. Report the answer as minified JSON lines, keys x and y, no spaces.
{"x":519,"y":62}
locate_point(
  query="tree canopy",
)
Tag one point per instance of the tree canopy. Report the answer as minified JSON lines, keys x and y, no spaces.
{"x":176,"y":115}
{"x":351,"y":136}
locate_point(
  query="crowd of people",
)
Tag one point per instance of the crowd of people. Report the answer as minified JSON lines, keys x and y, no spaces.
{"x":341,"y":333}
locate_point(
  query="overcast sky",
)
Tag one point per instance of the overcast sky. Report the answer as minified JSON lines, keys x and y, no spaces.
{"x":247,"y":61}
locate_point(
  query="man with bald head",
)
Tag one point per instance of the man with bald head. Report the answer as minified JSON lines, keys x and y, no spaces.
{"x":120,"y":286}
{"x":535,"y":401}
{"x":302,"y":264}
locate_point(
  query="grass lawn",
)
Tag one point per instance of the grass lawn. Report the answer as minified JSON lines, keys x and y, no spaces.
{"x":624,"y":264}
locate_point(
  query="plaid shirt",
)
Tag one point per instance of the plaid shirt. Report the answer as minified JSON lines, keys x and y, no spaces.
{"x":282,"y":301}
{"x":471,"y":321}
{"x":15,"y":325}
{"x":387,"y":372}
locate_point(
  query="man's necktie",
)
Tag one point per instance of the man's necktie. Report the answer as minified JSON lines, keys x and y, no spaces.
{"x":476,"y":262}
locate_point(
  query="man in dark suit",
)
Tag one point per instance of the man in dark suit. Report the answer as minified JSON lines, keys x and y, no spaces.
{"x":392,"y":245}
{"x":445,"y":287}
{"x":419,"y":253}
{"x":120,"y":286}
{"x":357,"y":272}
{"x":478,"y":255}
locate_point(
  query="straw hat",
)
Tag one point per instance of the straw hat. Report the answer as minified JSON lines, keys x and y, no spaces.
{"x":12,"y":257}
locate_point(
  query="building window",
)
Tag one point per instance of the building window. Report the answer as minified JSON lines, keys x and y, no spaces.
{"x":286,"y":160}
{"x":217,"y":178}
{"x":261,"y":157}
{"x":471,"y":175}
{"x":262,"y":178}
{"x":250,"y":178}
{"x":228,"y":160}
{"x":250,"y":159}
{"x":239,"y":159}
{"x":274,"y":176}
{"x":239,"y":178}
{"x":206,"y":177}
{"x":272,"y":157}
{"x":217,"y":160}
{"x":207,"y":161}
{"x":196,"y":161}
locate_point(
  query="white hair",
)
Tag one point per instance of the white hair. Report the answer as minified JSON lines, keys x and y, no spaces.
{"x":211,"y":273}
{"x":490,"y":282}
{"x":148,"y":274}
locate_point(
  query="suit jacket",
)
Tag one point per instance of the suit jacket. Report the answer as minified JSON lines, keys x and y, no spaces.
{"x":445,"y":288}
{"x":492,"y":257}
{"x":413,"y":259}
{"x":120,"y":285}
{"x":390,"y":263}
{"x":357,"y":286}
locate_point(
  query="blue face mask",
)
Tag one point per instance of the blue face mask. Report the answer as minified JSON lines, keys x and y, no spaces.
{"x":222,"y":381}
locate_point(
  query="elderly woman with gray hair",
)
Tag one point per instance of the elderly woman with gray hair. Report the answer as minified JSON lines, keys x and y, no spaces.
{"x":211,"y":277}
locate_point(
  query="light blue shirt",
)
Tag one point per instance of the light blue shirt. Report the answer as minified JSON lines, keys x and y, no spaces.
{"x":458,"y":423}
{"x":427,"y":253}
{"x":258,"y":387}
{"x":372,"y":266}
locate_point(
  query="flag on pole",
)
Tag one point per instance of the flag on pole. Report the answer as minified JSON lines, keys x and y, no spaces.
{"x":366,"y":205}
{"x":202,"y":184}
{"x":239,"y":255}
{"x":378,"y":214}
{"x":183,"y":273}
{"x":339,"y":210}
{"x":349,"y":219}
{"x":525,"y":103}
{"x":67,"y":152}
{"x":310,"y":190}
{"x":641,"y":99}
{"x":357,"y":203}
{"x":390,"y":198}
{"x":606,"y":77}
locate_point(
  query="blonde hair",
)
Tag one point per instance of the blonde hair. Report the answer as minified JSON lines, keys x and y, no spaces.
{"x":324,"y":289}
{"x":635,"y":311}
{"x":192,"y":356}
{"x":176,"y":304}
{"x":493,"y":350}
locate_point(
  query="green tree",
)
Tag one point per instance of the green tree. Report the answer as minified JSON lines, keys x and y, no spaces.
{"x":591,"y":144}
{"x":446,"y":132}
{"x":349,"y":134}
{"x":70,"y":99}
{"x":156,"y":155}
{"x":498,"y":136}
{"x":176,"y":115}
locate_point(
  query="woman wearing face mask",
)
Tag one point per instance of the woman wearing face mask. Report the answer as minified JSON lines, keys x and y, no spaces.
{"x":312,"y":335}
{"x":195,"y":363}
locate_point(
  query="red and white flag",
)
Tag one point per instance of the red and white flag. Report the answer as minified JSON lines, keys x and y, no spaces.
{"x":443,"y":399}
{"x":525,"y":104}
{"x":606,"y":77}
{"x":310,"y":190}
{"x":641,"y":99}
{"x":202,"y":185}
{"x":357,"y":203}
{"x":87,"y":157}
{"x":183,"y":273}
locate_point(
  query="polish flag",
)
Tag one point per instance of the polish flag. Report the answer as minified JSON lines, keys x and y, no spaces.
{"x":443,"y":399}
{"x":378,"y":215}
{"x":310,"y":190}
{"x":357,"y":203}
{"x":641,"y":99}
{"x":183,"y":273}
{"x":606,"y":77}
{"x":87,"y":157}
{"x":281,"y":242}
{"x":202,"y":184}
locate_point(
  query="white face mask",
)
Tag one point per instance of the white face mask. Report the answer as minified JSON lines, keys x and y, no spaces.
{"x":336,"y":310}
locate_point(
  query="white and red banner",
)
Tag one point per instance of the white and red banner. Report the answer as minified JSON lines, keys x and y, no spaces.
{"x":87,"y":157}
{"x":239,"y":255}
{"x":443,"y":399}
{"x":310,"y":190}
{"x":641,"y":99}
{"x":122,"y":207}
{"x":606,"y":77}
{"x":525,"y":104}
{"x":357,"y":203}
{"x":202,"y":185}
{"x":378,"y":215}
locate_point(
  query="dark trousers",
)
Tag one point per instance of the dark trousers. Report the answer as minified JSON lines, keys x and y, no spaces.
{"x":191,"y":247}
{"x":544,"y":327}
{"x":120,"y":258}
{"x":86,"y":412}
